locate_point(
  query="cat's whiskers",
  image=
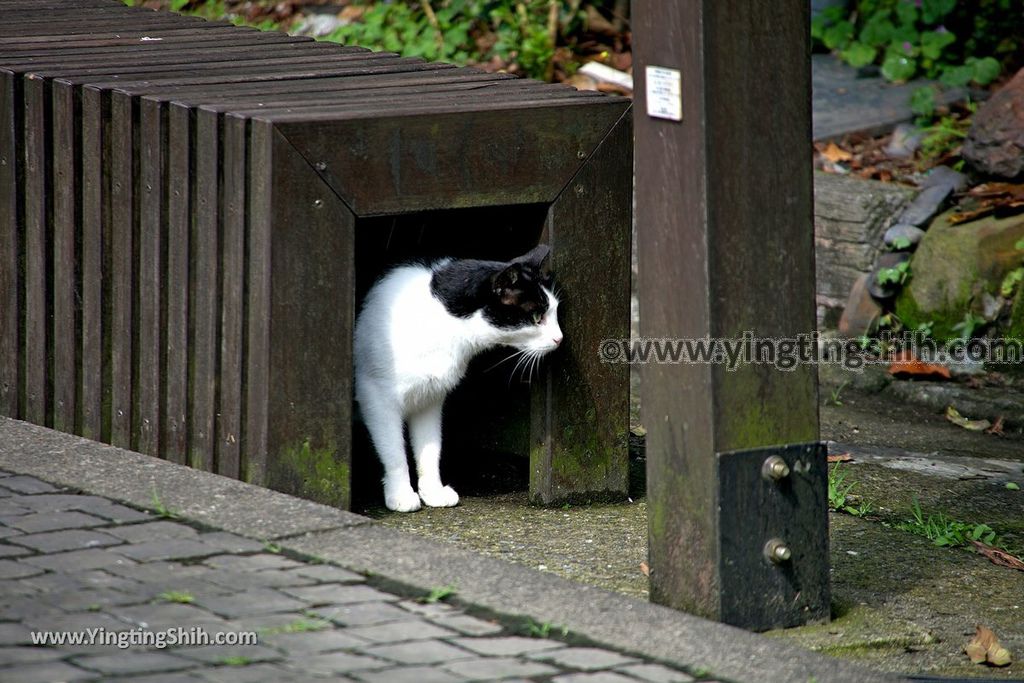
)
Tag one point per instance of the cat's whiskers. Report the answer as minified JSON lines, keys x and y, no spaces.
{"x":505,"y":359}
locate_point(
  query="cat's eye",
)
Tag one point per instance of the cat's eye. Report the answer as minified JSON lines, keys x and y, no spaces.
{"x":537,"y":317}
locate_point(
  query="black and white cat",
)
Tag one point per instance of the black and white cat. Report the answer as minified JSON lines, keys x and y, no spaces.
{"x":419,"y":327}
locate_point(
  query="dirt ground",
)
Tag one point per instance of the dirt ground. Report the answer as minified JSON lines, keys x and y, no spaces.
{"x":900,"y":603}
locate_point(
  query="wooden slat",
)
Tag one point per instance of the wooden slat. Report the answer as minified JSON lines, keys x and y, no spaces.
{"x":65,"y":286}
{"x":10,"y":45}
{"x":257,"y":368}
{"x":36,"y":341}
{"x":232,"y":273}
{"x":580,"y":408}
{"x":95,"y":240}
{"x":149,"y":376}
{"x":204,"y":296}
{"x":122,"y":261}
{"x":224,"y":40}
{"x":179,"y":198}
{"x":10,"y":249}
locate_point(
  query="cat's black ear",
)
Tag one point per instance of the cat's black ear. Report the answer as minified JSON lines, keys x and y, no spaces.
{"x":505,"y":284}
{"x":536,"y":257}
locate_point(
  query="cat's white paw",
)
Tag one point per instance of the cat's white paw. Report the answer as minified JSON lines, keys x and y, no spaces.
{"x":439,"y":496}
{"x":401,"y":499}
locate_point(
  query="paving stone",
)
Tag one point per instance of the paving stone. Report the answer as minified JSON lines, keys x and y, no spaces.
{"x":312,"y":642}
{"x":398,"y":631}
{"x":593,"y":677}
{"x":259,"y":601}
{"x":11,"y":507}
{"x":117,"y":513}
{"x":46,"y":672}
{"x":6,"y":493}
{"x":325,"y":573}
{"x":175,"y":677}
{"x":497,"y":668}
{"x":52,"y":521}
{"x":469,"y":626}
{"x":15,"y":634}
{"x":250,"y":563}
{"x":220,"y":654}
{"x":335,"y":663}
{"x":585,"y":658}
{"x":7,"y":532}
{"x":25,"y":606}
{"x":7,"y":550}
{"x":231,"y":543}
{"x":173,"y":549}
{"x":9,"y":569}
{"x":151,"y":531}
{"x":428,"y":652}
{"x":409,"y":674}
{"x":252,"y":673}
{"x":428,"y":609}
{"x":12,"y":656}
{"x":77,"y":621}
{"x":24,"y":484}
{"x":158,"y":571}
{"x":79,"y":560}
{"x":71,"y":539}
{"x":270,"y":578}
{"x":261,"y":623}
{"x":363,"y":613}
{"x":166,"y":614}
{"x":91,"y":600}
{"x":129,"y":662}
{"x":335,"y":593}
{"x":655,"y":673}
{"x":507,"y":645}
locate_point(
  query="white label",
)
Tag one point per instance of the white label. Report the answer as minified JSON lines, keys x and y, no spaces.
{"x":664,"y":93}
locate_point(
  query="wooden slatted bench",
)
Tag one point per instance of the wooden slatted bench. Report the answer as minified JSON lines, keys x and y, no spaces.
{"x":190,"y":212}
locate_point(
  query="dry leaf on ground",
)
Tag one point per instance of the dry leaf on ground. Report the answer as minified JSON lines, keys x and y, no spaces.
{"x":840,"y":457}
{"x":997,"y":427}
{"x":644,"y":569}
{"x":997,"y":556}
{"x":834,"y":153}
{"x":985,"y":647}
{"x":906,"y":364}
{"x":954,"y":416}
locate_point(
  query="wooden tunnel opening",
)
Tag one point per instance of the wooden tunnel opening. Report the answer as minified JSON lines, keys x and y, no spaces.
{"x":487,"y":417}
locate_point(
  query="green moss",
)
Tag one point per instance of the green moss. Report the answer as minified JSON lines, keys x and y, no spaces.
{"x":312,"y":472}
{"x":908,"y":311}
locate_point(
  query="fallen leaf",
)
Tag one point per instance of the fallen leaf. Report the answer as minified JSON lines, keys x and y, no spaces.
{"x":954,"y":416}
{"x":917,"y":368}
{"x":985,"y":647}
{"x":644,"y":569}
{"x":997,"y":556}
{"x":834,"y":153}
{"x":997,"y":427}
{"x":839,"y":457}
{"x":1012,"y":486}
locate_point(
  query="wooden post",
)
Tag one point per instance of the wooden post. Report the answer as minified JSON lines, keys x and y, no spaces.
{"x":724,"y":228}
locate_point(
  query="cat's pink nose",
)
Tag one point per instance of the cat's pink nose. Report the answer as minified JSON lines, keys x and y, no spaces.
{"x":557,"y":340}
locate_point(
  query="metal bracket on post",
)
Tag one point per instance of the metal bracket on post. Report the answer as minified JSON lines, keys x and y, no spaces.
{"x":773,"y":530}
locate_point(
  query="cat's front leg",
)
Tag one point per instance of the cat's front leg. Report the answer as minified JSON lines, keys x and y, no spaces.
{"x":383,"y":419}
{"x":425,"y":435}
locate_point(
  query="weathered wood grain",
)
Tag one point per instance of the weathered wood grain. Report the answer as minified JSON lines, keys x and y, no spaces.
{"x":122,"y":263}
{"x":65,"y":191}
{"x":10,"y":247}
{"x":36,"y":342}
{"x":179,"y":188}
{"x":95,"y":242}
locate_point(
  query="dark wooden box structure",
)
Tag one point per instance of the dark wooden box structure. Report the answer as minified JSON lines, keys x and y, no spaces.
{"x":190,"y":211}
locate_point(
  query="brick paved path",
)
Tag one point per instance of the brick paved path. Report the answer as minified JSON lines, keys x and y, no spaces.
{"x":71,"y":563}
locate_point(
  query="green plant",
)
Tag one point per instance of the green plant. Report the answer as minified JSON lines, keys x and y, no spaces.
{"x":840,"y":494}
{"x":271,"y":547}
{"x":299,"y":626}
{"x":834,"y":398}
{"x":896,"y":275}
{"x":181,"y":597}
{"x":161,"y":509}
{"x":956,"y":42}
{"x":969,"y":325}
{"x":438,"y":594}
{"x":900,"y":243}
{"x":947,"y":532}
{"x":946,"y":135}
{"x":544,"y":630}
{"x":235,"y":660}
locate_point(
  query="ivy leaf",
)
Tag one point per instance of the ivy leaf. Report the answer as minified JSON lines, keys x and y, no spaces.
{"x":986,"y":70}
{"x":932,"y":43}
{"x":838,"y":35}
{"x":907,"y":13}
{"x":934,"y":10}
{"x":878,"y":30}
{"x":898,"y":67}
{"x":957,"y":76}
{"x":922,"y":101}
{"x":858,"y":54}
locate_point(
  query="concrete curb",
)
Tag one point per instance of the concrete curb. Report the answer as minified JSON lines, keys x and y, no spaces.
{"x":359,"y":544}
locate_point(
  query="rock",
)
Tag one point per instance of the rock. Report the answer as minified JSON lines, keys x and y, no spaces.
{"x":318,"y":25}
{"x":861,"y":314}
{"x":991,"y":306}
{"x":925,"y":205}
{"x":995,"y":141}
{"x":910,"y":233}
{"x":944,"y":175}
{"x":906,"y":138}
{"x":886,"y":260}
{"x":953,"y":266}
